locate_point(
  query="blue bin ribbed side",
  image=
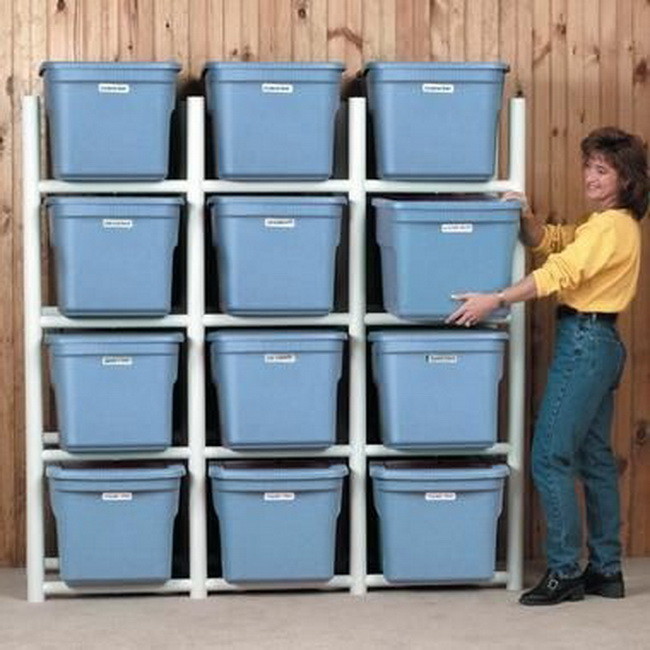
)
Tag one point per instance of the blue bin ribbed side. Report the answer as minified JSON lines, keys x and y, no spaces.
{"x":277,"y":388}
{"x":115,"y":525}
{"x":437,"y":388}
{"x":437,"y":525}
{"x":276,"y":255}
{"x":273,"y":121}
{"x":277,"y":524}
{"x":435,"y":120}
{"x":431,"y":250}
{"x":114,"y":255}
{"x":114,"y":391}
{"x":109,"y":121}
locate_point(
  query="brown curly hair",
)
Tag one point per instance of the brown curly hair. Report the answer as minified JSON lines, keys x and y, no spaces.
{"x":627,"y":154}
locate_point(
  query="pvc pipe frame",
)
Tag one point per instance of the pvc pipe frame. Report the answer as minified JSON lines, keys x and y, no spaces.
{"x":195,"y":187}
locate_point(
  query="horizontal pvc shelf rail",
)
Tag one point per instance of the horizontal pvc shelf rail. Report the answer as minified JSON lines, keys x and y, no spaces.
{"x":194,"y":322}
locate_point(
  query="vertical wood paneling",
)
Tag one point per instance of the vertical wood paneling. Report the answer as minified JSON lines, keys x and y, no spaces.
{"x":318,"y":28}
{"x":576,"y":107}
{"x":623,"y":414}
{"x":336,"y":30}
{"x":301,"y":30}
{"x":372,"y":32}
{"x":439,"y":17}
{"x":474,"y":31}
{"x":640,"y":438}
{"x":354,"y":36}
{"x":388,"y":31}
{"x":250,"y":30}
{"x":8,"y":291}
{"x":580,"y":63}
{"x":422,"y":30}
{"x":457,"y":30}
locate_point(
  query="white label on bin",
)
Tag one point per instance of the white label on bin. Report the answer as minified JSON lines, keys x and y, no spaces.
{"x":279,"y":496}
{"x":279,"y":223}
{"x":120,"y":224}
{"x":280,"y":358}
{"x":457,"y":228}
{"x":440,"y":496}
{"x":117,"y":496}
{"x":442,"y":358}
{"x":438,"y":88}
{"x":283,"y":89}
{"x":117,"y":361}
{"x":118,"y":89}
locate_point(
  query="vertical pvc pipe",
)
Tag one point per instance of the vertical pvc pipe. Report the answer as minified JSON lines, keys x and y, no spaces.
{"x":517,"y":368}
{"x":33,"y":338}
{"x":196,"y":344}
{"x":357,"y":334}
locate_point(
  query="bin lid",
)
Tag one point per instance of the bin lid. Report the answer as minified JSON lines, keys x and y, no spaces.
{"x":91,"y":338}
{"x":277,"y":200}
{"x":437,"y":65}
{"x":110,"y":200}
{"x":274,"y":71}
{"x":407,"y":470}
{"x":109,"y":66}
{"x":483,"y":72}
{"x":264,"y":335}
{"x":486,"y":209}
{"x":115,"y":473}
{"x":436,"y":336}
{"x":132,"y":207}
{"x":286,"y":206}
{"x":256,"y":471}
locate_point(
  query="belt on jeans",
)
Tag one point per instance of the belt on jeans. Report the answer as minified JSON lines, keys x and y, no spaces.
{"x":565,"y":310}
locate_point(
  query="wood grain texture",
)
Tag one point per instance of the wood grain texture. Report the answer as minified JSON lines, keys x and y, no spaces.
{"x":580,"y":63}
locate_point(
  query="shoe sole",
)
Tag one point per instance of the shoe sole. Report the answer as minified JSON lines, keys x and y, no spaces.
{"x":607,"y":591}
{"x":575,"y":595}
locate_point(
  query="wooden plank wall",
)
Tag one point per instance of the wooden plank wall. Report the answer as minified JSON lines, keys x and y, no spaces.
{"x":580,"y":63}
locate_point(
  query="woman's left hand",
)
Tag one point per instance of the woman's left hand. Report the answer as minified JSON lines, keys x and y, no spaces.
{"x":475,"y":308}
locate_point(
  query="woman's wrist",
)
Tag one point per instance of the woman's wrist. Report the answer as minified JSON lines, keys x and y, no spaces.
{"x":503,"y":299}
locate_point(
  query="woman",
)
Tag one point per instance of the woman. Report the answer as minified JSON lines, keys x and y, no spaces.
{"x":593,"y":268}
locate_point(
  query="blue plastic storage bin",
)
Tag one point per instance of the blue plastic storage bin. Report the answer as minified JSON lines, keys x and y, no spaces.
{"x":277,"y":523}
{"x":273,"y":121}
{"x":433,"y":249}
{"x":276,"y":255}
{"x":114,"y":391}
{"x":277,"y":388}
{"x":438,"y":388}
{"x":435,"y":120}
{"x":437,"y":525}
{"x":115,"y":525}
{"x":114,"y":255}
{"x":109,"y":121}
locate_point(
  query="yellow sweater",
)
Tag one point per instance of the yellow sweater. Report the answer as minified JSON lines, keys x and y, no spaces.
{"x":592,"y":265}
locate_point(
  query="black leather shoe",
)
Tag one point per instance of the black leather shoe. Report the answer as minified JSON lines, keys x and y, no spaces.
{"x":552,"y":590}
{"x":603,"y":584}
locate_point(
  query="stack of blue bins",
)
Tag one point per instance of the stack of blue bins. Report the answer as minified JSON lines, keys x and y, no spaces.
{"x":276,"y":257}
{"x":438,"y":389}
{"x":113,"y":257}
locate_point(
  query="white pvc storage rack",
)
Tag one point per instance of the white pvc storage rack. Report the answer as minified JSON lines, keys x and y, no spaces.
{"x":40,"y":445}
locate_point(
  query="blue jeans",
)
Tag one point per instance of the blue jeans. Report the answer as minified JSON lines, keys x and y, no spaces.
{"x":572,"y":440}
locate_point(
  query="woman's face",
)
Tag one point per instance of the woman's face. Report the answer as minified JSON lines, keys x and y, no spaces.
{"x":601,"y":182}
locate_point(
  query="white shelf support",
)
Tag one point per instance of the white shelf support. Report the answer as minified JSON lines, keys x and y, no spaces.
{"x":33,"y":340}
{"x":357,"y":343}
{"x":196,"y":346}
{"x":517,"y":367}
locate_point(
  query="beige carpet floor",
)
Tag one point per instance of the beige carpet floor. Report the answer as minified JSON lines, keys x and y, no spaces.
{"x":395,"y":619}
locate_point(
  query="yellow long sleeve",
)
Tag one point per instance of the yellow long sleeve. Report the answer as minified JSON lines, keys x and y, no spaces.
{"x":594,"y":266}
